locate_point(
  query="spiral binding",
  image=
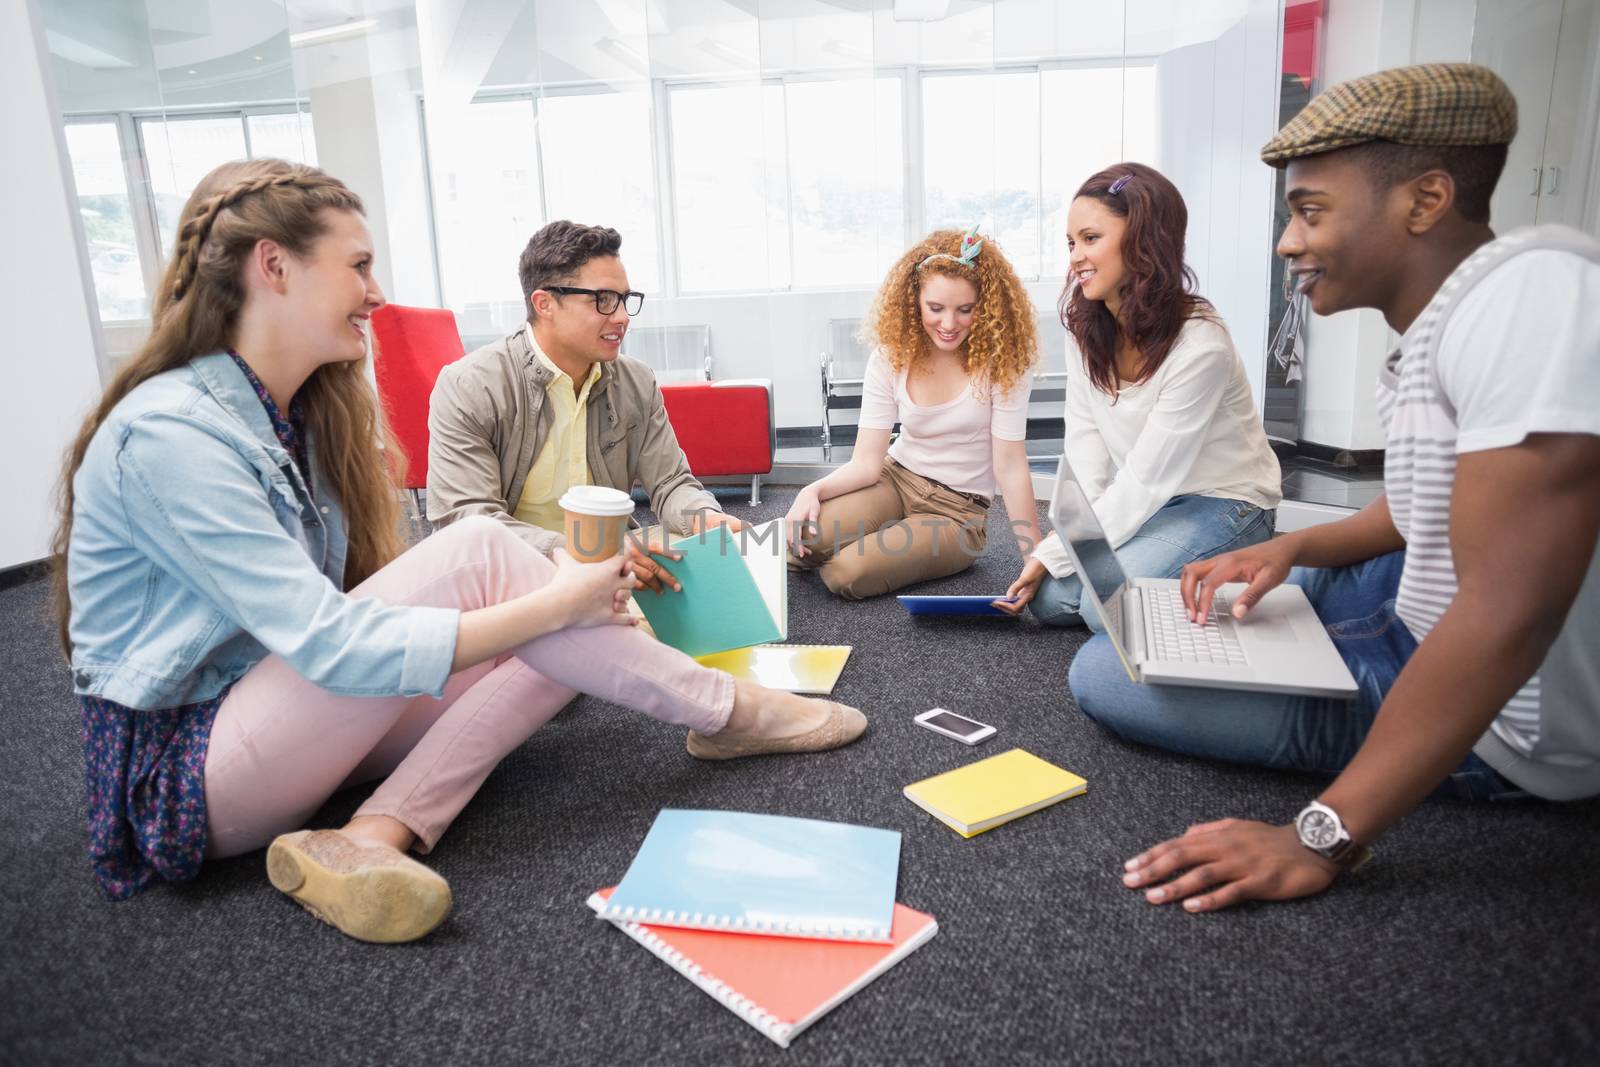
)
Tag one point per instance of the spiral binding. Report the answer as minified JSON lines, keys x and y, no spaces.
{"x":701,"y":921}
{"x":734,"y":1001}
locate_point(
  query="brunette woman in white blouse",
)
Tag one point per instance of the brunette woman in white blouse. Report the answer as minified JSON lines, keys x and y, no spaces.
{"x":956,"y":347}
{"x":1161,"y":427}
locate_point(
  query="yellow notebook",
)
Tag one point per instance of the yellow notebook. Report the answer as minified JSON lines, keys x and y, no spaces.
{"x":982,"y":795}
{"x":796,"y":668}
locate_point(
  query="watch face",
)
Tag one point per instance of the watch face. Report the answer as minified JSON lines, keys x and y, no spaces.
{"x":1319,"y":830}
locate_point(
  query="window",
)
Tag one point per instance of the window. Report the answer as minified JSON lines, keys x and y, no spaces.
{"x":980,"y":158}
{"x":487,"y":203}
{"x":809,"y":170}
{"x":1121,"y":126}
{"x":1007,"y":150}
{"x":847,"y":209}
{"x":598,"y":171}
{"x":107,"y":210}
{"x":180,"y":150}
{"x":731,"y":197}
{"x":285,"y":135}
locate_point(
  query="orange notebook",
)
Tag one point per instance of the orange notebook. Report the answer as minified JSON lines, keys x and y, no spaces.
{"x":779,"y":985}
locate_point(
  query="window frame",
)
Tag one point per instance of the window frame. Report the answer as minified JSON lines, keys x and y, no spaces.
{"x":534,"y":95}
{"x":130,"y":124}
{"x":900,"y":75}
{"x":910,"y":79}
{"x":140,"y":207}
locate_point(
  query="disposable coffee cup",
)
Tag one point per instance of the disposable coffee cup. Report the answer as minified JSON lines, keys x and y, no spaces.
{"x":597,"y":521}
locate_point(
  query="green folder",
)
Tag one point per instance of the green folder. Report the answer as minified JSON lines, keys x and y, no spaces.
{"x":735,"y":591}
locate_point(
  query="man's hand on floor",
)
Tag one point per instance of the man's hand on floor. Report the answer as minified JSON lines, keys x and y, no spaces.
{"x":1226,"y":862}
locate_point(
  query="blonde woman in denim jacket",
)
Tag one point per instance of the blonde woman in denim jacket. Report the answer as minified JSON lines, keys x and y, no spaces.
{"x":216,"y":507}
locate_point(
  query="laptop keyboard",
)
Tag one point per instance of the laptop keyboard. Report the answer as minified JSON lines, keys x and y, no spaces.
{"x":1171,"y":637}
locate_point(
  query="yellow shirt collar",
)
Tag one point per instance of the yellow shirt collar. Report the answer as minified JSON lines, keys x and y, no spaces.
{"x":561,"y":376}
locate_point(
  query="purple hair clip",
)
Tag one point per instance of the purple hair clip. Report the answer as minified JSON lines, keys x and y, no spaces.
{"x":1117,"y":186}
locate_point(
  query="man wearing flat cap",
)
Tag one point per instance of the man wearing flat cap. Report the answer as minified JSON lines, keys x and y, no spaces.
{"x":1466,"y":599}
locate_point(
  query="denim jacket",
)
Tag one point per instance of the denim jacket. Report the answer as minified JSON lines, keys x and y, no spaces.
{"x":197,"y":549}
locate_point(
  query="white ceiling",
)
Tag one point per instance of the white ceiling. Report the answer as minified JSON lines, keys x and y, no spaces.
{"x":240,"y":49}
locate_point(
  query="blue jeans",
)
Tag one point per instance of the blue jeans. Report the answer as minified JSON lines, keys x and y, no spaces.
{"x":1186,"y":528}
{"x":1316,"y":734}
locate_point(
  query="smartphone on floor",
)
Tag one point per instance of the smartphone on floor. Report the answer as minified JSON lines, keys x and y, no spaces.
{"x":967,"y":731}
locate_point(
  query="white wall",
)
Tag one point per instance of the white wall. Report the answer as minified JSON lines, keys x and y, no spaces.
{"x":1216,"y":106}
{"x":363,"y":100}
{"x":139,"y":54}
{"x":1345,"y":351}
{"x":45,"y":298}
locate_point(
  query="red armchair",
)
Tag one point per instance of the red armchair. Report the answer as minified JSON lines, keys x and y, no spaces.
{"x":724,"y":428}
{"x":410,"y":347}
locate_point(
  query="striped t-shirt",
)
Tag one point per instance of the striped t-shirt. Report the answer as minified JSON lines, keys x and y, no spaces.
{"x":1509,"y":346}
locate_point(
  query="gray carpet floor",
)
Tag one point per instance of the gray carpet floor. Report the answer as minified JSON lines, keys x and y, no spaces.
{"x":1474,"y":937}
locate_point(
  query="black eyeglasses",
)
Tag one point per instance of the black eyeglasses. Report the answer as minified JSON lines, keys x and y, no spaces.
{"x":605,"y":300}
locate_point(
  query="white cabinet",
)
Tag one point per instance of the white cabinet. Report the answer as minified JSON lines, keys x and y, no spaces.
{"x":1548,"y":52}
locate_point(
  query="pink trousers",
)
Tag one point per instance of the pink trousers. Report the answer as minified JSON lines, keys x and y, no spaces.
{"x":281,"y":745}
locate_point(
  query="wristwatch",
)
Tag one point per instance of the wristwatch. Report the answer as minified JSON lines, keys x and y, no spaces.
{"x":1322,"y":831}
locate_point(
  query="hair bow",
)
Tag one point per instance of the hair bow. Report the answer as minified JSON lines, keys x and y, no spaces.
{"x":971,"y":245}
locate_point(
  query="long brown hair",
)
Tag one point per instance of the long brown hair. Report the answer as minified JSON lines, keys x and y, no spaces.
{"x":195,"y":312}
{"x":1158,"y":294}
{"x":1003,"y":343}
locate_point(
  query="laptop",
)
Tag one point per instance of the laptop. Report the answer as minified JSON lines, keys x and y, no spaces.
{"x":1280,"y":647}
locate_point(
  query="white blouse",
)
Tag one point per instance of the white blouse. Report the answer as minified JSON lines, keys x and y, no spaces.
{"x":1192,"y":429}
{"x":950,"y":442}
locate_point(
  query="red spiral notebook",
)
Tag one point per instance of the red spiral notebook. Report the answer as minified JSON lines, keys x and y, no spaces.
{"x":779,"y":985}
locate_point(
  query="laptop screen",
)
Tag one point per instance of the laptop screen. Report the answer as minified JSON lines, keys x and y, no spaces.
{"x":1074,"y":519}
{"x":1085,"y":539}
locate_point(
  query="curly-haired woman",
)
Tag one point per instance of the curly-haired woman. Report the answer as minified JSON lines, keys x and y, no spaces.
{"x":1162,"y":430}
{"x":956,"y":347}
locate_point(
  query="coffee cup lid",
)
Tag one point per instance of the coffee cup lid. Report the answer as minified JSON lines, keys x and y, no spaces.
{"x":596,"y":500}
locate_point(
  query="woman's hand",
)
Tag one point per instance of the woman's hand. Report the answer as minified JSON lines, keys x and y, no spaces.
{"x":594,"y":594}
{"x":801,"y":522}
{"x":1023,"y":589}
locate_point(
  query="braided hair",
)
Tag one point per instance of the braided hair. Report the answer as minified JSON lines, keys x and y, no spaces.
{"x":197,"y":226}
{"x":195,"y":313}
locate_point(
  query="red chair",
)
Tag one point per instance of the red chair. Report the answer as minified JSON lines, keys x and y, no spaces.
{"x":724,"y":428}
{"x":410,"y":347}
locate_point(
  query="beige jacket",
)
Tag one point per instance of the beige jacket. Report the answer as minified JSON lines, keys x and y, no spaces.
{"x":488,"y":419}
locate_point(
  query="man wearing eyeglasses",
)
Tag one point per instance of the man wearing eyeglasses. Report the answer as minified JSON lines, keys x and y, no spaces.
{"x":516,"y":423}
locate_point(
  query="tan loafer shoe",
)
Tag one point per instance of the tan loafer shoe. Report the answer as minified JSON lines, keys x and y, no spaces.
{"x":842,"y":726}
{"x":371,"y":892}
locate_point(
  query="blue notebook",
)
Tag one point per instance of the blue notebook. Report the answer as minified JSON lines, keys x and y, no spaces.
{"x":953,"y":605}
{"x":762,"y":874}
{"x":735,"y":591}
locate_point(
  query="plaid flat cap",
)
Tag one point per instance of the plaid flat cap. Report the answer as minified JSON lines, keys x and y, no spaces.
{"x":1430,"y":104}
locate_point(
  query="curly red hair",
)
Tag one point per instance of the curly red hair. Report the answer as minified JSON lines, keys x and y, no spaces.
{"x":1003,"y":343}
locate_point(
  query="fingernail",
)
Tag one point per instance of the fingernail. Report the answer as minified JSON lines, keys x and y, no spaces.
{"x":1131,"y":879}
{"x":1194,"y":904}
{"x":1132,"y":864}
{"x":1156,"y":896}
